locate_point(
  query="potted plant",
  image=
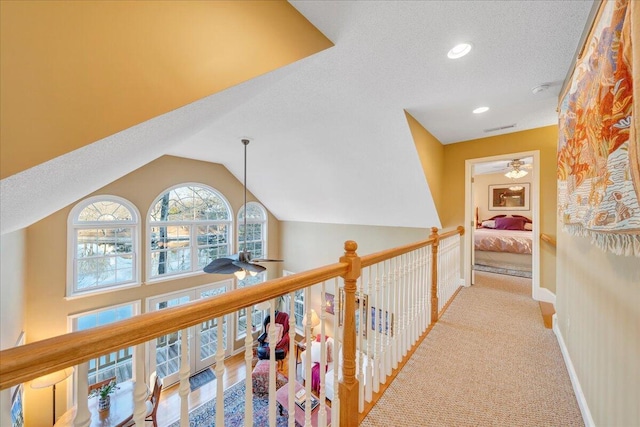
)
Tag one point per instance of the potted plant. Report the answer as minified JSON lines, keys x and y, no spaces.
{"x":104,"y":400}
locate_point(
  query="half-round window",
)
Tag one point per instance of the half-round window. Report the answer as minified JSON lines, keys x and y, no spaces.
{"x":103,"y":245}
{"x":189,"y":226}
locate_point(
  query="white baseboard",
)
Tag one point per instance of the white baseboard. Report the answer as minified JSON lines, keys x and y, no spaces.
{"x":577,"y":389}
{"x":544,"y":295}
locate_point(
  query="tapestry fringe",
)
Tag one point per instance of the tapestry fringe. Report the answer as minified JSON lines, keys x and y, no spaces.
{"x":619,"y":244}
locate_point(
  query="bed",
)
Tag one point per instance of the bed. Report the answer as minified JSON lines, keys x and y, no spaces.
{"x":504,"y":242}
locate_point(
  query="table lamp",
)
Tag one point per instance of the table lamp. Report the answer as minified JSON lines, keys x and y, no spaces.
{"x":51,"y":380}
{"x":315,"y":320}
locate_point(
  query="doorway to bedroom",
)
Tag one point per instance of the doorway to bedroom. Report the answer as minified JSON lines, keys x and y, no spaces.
{"x":503,"y":224}
{"x":502,"y":211}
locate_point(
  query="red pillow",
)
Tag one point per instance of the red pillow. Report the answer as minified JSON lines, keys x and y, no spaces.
{"x":510,"y":223}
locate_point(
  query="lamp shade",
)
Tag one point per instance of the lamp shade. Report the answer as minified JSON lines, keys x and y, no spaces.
{"x":51,"y":379}
{"x":315,"y":320}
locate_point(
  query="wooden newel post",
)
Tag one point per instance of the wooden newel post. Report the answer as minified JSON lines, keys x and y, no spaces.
{"x":348,"y":387}
{"x":434,"y":275}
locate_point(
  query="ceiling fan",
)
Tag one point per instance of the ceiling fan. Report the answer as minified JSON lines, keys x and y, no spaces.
{"x":241,"y":263}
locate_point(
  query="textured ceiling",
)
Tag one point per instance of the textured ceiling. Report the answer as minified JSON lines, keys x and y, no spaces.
{"x":330,"y":137}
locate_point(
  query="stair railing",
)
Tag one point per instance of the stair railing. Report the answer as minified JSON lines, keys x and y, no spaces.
{"x":386,"y":303}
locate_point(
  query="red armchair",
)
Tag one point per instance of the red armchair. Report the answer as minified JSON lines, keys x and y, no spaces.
{"x":282,"y":345}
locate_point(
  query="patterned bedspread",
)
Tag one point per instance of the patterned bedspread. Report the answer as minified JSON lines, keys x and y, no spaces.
{"x":514,"y":241}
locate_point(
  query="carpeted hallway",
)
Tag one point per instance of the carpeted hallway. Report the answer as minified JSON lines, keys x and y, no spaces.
{"x":489,"y":361}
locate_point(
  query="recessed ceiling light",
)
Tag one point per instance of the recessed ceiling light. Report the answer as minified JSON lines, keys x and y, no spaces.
{"x":459,"y":51}
{"x":540,"y":88}
{"x":480,"y":110}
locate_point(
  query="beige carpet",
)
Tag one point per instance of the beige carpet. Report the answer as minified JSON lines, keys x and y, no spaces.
{"x":489,"y":361}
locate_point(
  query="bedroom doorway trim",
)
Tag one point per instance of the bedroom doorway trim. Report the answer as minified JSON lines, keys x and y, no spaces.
{"x":538,"y":293}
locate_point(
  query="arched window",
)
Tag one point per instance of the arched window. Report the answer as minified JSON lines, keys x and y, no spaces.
{"x":103,"y":245}
{"x":256,"y":236}
{"x":189,"y":226}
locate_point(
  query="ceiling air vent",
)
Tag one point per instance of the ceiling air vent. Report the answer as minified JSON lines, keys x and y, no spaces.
{"x":500,"y":128}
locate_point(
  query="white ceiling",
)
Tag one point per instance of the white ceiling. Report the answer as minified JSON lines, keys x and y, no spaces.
{"x":330,"y":138}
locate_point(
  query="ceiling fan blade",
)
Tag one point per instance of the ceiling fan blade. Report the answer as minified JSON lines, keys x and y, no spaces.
{"x":221,"y":266}
{"x":249,"y":267}
{"x":266,"y":260}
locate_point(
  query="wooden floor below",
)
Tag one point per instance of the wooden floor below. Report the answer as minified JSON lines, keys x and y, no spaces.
{"x":234,"y":372}
{"x":169,"y":406}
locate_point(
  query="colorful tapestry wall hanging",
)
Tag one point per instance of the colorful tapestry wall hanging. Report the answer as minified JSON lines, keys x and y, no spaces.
{"x":598,"y":148}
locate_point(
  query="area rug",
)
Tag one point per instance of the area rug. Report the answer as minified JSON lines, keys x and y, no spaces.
{"x":507,"y":271}
{"x":205,"y":415}
{"x":201,"y":378}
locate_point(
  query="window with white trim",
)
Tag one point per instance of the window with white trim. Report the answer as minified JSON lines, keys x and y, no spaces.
{"x":190,"y":225}
{"x":118,"y":364}
{"x":257,"y":316}
{"x":103,"y":245}
{"x":256,"y":235}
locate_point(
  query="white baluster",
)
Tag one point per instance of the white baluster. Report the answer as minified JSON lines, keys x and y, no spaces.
{"x":396,"y":308}
{"x":411,"y":301}
{"x":368,"y":374}
{"x":337,"y":363}
{"x":272,"y":363}
{"x":248,"y":360}
{"x":308,"y":340}
{"x":424,"y":284}
{"x":404,"y":309}
{"x":322,"y":416}
{"x":83,"y":416}
{"x":220,"y":373}
{"x":375,"y":360}
{"x":140,"y":390}
{"x":292,"y":362}
{"x":360,"y":349}
{"x":384,"y":355}
{"x":185,"y":370}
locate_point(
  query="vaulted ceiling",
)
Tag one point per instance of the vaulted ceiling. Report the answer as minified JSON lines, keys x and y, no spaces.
{"x":93,"y":90}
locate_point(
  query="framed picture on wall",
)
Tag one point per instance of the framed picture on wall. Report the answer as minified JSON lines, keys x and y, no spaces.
{"x":509,"y":197}
{"x":377,"y":319}
{"x":362,"y":304}
{"x":330,"y":308}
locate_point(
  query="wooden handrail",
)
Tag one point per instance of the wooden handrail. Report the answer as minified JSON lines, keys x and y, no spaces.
{"x":369,"y":260}
{"x":548,"y":239}
{"x":377,"y":257}
{"x":29,"y":361}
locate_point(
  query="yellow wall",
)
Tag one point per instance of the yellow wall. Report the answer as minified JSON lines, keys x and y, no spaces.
{"x":47,"y":310}
{"x":598,"y":305}
{"x":544,"y":139}
{"x":73,"y":72}
{"x":431,"y":154}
